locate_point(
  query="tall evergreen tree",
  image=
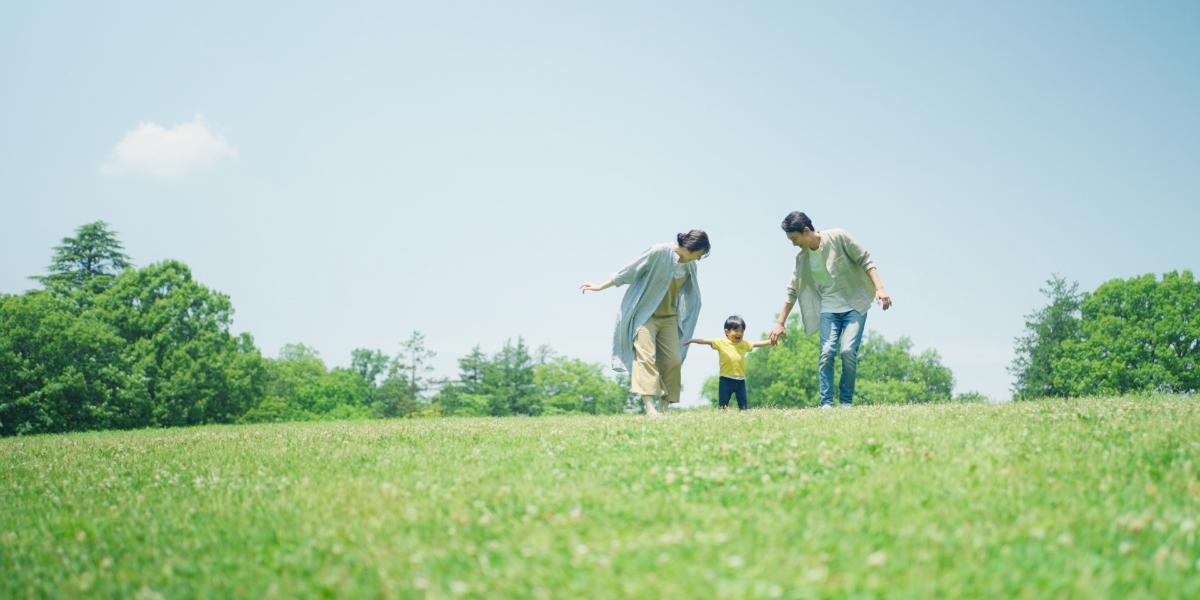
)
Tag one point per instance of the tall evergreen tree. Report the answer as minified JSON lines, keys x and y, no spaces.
{"x":89,"y":261}
{"x":1042,"y":345}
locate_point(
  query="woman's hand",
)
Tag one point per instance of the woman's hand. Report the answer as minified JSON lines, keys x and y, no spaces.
{"x":595,"y":288}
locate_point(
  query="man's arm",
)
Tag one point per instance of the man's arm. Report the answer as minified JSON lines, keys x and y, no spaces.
{"x":780,"y":330}
{"x":699,"y":341}
{"x":881,"y":295}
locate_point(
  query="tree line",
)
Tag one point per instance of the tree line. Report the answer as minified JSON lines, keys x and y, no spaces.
{"x":106,"y":345}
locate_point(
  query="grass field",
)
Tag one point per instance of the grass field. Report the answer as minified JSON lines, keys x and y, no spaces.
{"x":1081,"y":498}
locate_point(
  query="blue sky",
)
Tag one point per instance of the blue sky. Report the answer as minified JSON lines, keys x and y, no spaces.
{"x":355,"y":171}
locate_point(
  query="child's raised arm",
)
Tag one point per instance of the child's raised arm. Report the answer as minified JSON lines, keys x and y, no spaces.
{"x":699,"y":341}
{"x":760,"y":343}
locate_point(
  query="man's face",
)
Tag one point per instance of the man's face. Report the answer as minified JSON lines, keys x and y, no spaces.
{"x":802,"y":240}
{"x":735,"y":335}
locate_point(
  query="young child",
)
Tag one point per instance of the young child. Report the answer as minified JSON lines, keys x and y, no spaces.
{"x":733,"y":360}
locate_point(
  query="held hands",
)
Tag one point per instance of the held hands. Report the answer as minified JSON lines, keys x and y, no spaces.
{"x":883,"y":299}
{"x":778,"y":333}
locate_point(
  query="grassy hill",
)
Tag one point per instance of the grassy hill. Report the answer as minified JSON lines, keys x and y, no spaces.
{"x":1081,"y":498}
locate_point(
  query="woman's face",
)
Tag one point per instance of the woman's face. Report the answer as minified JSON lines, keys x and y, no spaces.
{"x":687,"y":256}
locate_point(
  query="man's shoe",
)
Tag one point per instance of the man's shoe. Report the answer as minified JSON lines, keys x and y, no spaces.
{"x":826,"y":406}
{"x":845,"y":405}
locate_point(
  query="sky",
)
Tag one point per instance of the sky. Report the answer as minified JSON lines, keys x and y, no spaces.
{"x":351,"y":172}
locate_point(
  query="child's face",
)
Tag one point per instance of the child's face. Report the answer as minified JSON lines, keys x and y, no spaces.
{"x":735,"y":335}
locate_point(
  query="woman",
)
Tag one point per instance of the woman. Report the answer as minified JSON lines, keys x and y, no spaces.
{"x":659,"y":309}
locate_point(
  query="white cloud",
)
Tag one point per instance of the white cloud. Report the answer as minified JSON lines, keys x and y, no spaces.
{"x":168,"y":153}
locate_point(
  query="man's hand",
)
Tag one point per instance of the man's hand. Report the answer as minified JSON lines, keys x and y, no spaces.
{"x":882,"y":298}
{"x":779,"y":332}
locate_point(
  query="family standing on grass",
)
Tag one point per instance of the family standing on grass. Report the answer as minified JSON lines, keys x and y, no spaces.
{"x":834,"y":280}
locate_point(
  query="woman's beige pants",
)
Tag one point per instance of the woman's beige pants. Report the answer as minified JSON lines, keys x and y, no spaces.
{"x":657,"y":358}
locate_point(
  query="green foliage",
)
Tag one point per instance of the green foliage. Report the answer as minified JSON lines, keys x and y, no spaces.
{"x":150,"y":348}
{"x":88,"y":261}
{"x":1066,"y":498}
{"x":179,"y":341}
{"x":1041,"y":347}
{"x":888,"y":373}
{"x":571,"y":386}
{"x":64,"y":367}
{"x":370,"y":364}
{"x":1139,"y":335}
{"x":300,"y":388}
{"x":515,"y":382}
{"x":412,"y":365}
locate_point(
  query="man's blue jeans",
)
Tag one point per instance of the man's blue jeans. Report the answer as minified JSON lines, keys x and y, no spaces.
{"x":840,"y":335}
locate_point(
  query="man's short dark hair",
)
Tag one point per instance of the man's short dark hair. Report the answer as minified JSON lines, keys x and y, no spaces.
{"x":797,"y":221}
{"x":735,"y":322}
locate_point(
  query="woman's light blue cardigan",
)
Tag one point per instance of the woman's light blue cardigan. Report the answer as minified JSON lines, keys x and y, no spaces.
{"x":649,"y":278}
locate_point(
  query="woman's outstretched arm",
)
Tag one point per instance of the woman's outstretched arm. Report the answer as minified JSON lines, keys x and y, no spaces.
{"x":595,"y":288}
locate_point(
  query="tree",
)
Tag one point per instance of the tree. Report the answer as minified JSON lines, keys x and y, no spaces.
{"x":412,"y":364}
{"x":64,"y":367}
{"x":371,"y":364}
{"x":178,"y":333}
{"x":1046,"y":331}
{"x":90,"y":261}
{"x":300,"y":388}
{"x":514,"y":381}
{"x":569,"y":386}
{"x":1135,"y":335}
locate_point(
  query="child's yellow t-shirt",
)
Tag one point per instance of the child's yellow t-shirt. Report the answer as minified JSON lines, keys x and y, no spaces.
{"x":733,"y":356}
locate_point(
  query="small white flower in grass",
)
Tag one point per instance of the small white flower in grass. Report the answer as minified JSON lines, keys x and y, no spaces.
{"x":420,"y":583}
{"x":735,"y":562}
{"x":1037,"y":533}
{"x":685,"y":488}
{"x":581,"y":549}
{"x":775,"y":591}
{"x":1161,"y":555}
{"x":816,"y":574}
{"x":459,"y":588}
{"x":877,"y":558}
{"x":1125,"y":547}
{"x":1066,"y":539}
{"x":1187,"y":526}
{"x":766,"y":478}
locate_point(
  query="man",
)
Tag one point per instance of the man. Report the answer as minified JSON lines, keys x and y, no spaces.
{"x":835,"y":281}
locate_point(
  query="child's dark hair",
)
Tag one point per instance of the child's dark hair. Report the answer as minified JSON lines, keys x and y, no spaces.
{"x":735,"y":322}
{"x":694,"y":240}
{"x":797,"y":221}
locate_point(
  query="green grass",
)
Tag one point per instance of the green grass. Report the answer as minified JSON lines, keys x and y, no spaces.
{"x":1082,"y":498}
